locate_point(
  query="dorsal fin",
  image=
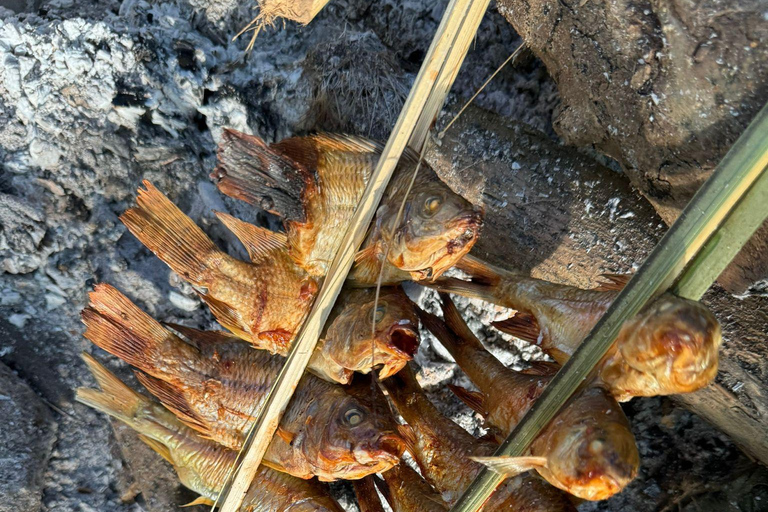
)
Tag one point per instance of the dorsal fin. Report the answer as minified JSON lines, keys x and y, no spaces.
{"x":258,"y":174}
{"x":305,"y":150}
{"x":158,"y":447}
{"x":174,"y":400}
{"x":613,"y":282}
{"x":261,"y":243}
{"x":479,"y":270}
{"x":523,"y":326}
{"x":475,"y":400}
{"x":228,"y":317}
{"x":203,"y":340}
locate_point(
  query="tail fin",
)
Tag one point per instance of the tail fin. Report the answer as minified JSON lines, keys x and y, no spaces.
{"x":117,"y":325}
{"x":253,"y":172}
{"x":170,"y":234}
{"x":121,"y":402}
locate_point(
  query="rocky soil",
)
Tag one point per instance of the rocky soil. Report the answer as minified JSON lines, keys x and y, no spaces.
{"x":97,"y":95}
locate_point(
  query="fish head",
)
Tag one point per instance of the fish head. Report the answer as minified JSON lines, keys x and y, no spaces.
{"x":437,"y":229}
{"x":674,"y":345}
{"x":591,"y":450}
{"x":368,"y":333}
{"x":349,"y":436}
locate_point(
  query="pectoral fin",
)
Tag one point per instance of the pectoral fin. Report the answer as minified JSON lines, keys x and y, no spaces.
{"x":613,"y":282}
{"x":286,"y":436}
{"x":523,"y":326}
{"x":200,"y":500}
{"x":511,"y":466}
{"x":473,"y":399}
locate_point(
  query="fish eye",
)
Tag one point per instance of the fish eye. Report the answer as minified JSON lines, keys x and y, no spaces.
{"x":353,"y":417}
{"x":432,"y":205}
{"x":378,"y":316}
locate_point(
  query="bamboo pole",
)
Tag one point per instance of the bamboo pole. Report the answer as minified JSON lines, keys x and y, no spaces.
{"x":424,"y":100}
{"x":725,"y":207}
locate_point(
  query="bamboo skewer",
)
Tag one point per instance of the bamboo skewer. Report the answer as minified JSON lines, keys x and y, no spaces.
{"x":720,"y":218}
{"x":425,"y":100}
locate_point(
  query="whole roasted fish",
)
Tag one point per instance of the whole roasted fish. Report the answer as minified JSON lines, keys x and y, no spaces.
{"x":588,"y":450}
{"x":202,"y":465}
{"x":350,"y":343}
{"x":442,"y":450}
{"x":669,"y":347}
{"x":315,"y":184}
{"x":215,"y":383}
{"x":265,"y":301}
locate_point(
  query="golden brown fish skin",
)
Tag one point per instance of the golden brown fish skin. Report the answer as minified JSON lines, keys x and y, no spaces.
{"x":348,"y":344}
{"x":406,"y":491}
{"x":437,"y":229}
{"x":367,"y":498}
{"x":201,"y":464}
{"x":329,"y":174}
{"x":263,"y":301}
{"x":442,"y":449}
{"x":670,"y":347}
{"x":591,"y":423}
{"x":215,"y":382}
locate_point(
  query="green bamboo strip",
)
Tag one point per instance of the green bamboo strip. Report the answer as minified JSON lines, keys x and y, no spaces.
{"x":708,"y":209}
{"x":726,"y":243}
{"x":451,"y":33}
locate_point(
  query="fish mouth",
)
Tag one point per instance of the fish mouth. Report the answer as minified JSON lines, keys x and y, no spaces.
{"x":404,"y":339}
{"x":391,"y":445}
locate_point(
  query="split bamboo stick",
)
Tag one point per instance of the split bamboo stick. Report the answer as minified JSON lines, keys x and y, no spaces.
{"x":720,"y":218}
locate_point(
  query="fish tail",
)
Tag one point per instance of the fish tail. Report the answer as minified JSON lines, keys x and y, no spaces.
{"x":252,"y":171}
{"x":171,"y":235}
{"x":118,"y":400}
{"x":117,"y":325}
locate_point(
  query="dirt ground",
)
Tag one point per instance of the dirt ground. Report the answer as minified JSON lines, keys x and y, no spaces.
{"x":96,"y":96}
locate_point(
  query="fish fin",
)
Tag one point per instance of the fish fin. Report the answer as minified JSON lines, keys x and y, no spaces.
{"x":479,"y":270}
{"x":511,"y":466}
{"x":542,"y":368}
{"x":285,"y":435}
{"x":456,"y":323}
{"x":368,"y":263}
{"x":204,"y":339}
{"x":174,"y":400}
{"x":200,"y":500}
{"x":383,"y":488}
{"x":409,"y":438}
{"x":475,"y":400}
{"x":261,"y":175}
{"x":118,"y":326}
{"x":365,"y":491}
{"x":437,"y":327}
{"x":158,"y":447}
{"x":306,"y":150}
{"x":261,"y":243}
{"x":470,"y":289}
{"x":523,"y":326}
{"x":115,"y":397}
{"x":613,"y":282}
{"x":276,"y":466}
{"x":227,"y":316}
{"x":170,"y":234}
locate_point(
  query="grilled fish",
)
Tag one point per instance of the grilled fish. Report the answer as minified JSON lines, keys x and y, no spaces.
{"x":315,"y":183}
{"x":266,"y":300}
{"x":669,"y":347}
{"x":216,"y":382}
{"x":350,"y":344}
{"x":588,"y":450}
{"x":442,"y":450}
{"x":202,"y":465}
